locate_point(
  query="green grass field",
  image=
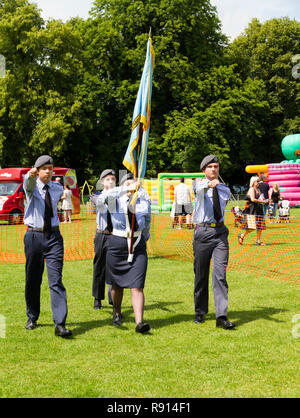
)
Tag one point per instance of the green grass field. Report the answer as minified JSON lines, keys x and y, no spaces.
{"x":178,"y":358}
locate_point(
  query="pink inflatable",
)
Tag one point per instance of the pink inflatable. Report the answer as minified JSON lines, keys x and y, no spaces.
{"x":287,"y":183}
{"x":283,"y":167}
{"x":287,"y":173}
{"x":295,"y":190}
{"x":279,"y":177}
{"x":293,"y":197}
{"x":287,"y":176}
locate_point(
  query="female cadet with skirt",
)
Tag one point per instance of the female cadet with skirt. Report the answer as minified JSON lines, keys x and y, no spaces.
{"x":120,"y":273}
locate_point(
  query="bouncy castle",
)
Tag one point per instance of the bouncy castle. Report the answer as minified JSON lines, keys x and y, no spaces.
{"x":287,"y":173}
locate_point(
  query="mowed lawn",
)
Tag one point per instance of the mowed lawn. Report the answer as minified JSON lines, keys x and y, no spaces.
{"x":178,"y":358}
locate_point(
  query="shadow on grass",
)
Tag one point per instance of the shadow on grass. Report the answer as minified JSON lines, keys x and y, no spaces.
{"x":259,"y":312}
{"x":83,"y":327}
{"x":239,"y":317}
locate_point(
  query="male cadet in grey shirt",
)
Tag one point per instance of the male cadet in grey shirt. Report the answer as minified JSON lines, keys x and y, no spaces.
{"x":211,"y":241}
{"x":43,"y":241}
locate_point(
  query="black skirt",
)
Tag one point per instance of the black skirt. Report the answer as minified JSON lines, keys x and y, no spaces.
{"x":119,"y":271}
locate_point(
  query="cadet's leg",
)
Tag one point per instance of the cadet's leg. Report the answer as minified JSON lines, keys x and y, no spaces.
{"x":33,"y":245}
{"x":117,"y":297}
{"x":109,"y":295}
{"x":99,"y":267}
{"x":219,"y":283}
{"x":54,"y":255}
{"x":202,"y":246}
{"x":138,"y":301}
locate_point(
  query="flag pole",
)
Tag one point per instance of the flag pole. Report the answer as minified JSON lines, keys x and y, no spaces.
{"x":130,"y":256}
{"x":146,"y":119}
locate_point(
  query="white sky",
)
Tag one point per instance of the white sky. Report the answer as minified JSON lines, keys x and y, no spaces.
{"x":235,"y":15}
{"x":64,"y":9}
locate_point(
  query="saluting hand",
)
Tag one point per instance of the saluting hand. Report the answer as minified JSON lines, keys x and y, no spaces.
{"x":213,"y":183}
{"x":33,"y":172}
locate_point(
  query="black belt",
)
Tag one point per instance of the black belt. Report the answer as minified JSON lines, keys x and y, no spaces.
{"x":212,"y":225}
{"x":30,"y":228}
{"x":105,"y":232}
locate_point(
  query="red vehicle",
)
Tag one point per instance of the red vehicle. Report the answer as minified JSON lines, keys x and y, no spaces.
{"x":12,"y":195}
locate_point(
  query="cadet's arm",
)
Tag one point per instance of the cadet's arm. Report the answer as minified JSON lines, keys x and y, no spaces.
{"x":30,"y":181}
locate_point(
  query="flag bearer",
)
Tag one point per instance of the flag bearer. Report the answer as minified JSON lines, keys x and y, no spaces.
{"x":120,"y":272}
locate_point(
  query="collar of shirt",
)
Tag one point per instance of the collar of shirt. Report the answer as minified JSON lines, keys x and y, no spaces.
{"x":40,"y":185}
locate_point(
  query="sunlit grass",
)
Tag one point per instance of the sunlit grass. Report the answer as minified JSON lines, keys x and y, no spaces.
{"x":178,"y":358}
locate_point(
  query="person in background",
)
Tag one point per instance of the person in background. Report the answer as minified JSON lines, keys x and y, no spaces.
{"x":264,"y":188}
{"x":256,"y":201}
{"x":183,"y":203}
{"x":275,"y":197}
{"x":57,"y":180}
{"x":67,"y":205}
{"x":60,"y":213}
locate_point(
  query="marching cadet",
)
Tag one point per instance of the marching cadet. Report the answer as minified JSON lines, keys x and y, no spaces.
{"x":121,"y":272}
{"x":104,"y":229}
{"x":211,"y":242}
{"x":44,"y":241}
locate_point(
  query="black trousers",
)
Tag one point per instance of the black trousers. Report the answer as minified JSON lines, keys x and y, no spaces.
{"x":211,"y":243}
{"x":100,"y":248}
{"x":38,"y":248}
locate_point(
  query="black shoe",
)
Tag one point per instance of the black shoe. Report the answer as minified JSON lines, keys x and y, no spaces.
{"x":142,"y":327}
{"x":199,"y":319}
{"x":98,"y":304}
{"x":62,"y":331}
{"x":117,"y":320}
{"x":224,"y":323}
{"x":31,"y":324}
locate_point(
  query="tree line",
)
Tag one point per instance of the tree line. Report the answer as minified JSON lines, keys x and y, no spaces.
{"x":69,"y":88}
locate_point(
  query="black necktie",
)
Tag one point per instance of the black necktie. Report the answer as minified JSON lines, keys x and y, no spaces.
{"x":48,"y":210}
{"x":109,"y":227}
{"x":216,"y":204}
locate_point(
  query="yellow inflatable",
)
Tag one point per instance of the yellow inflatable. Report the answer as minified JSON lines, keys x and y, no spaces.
{"x":257,"y":169}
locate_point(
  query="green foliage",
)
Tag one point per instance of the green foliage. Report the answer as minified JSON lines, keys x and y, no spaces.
{"x":224,"y":116}
{"x":40,"y":111}
{"x":70,"y":88}
{"x":264,"y":52}
{"x":120,"y":37}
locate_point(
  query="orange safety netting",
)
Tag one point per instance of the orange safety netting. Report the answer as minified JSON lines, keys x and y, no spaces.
{"x":279,"y":258}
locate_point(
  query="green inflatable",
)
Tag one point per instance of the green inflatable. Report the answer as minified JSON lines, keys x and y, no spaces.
{"x":290,"y":147}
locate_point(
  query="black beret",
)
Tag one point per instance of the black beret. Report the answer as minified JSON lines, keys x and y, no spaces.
{"x":128,"y":176}
{"x":208,"y":160}
{"x":107,"y":172}
{"x":42,"y":160}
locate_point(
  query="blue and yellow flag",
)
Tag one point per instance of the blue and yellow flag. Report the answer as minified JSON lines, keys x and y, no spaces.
{"x":135,"y":159}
